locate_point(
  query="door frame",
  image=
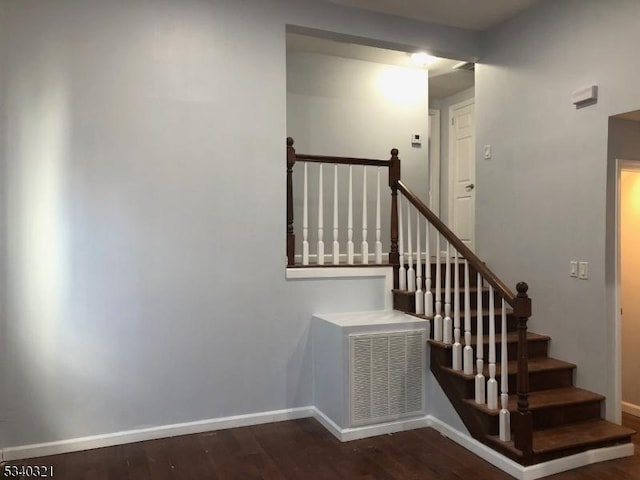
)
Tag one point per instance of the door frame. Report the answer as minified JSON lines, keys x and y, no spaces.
{"x":434,"y":161}
{"x":451,"y":186}
{"x":617,"y":407}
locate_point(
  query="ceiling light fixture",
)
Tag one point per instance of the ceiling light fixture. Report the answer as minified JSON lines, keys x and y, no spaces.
{"x":423,"y":59}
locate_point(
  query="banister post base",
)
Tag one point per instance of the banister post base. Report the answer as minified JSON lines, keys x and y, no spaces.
{"x":523,"y":422}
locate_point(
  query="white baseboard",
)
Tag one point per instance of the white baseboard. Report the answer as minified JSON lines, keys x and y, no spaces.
{"x":631,"y":409}
{"x":357,"y":433}
{"x":539,"y":470}
{"x":131,"y":436}
{"x":480,"y":449}
{"x":500,"y":461}
{"x":578,"y":460}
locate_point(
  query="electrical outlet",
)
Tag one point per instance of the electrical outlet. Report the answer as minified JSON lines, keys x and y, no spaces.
{"x":583,"y":270}
{"x":573,"y":269}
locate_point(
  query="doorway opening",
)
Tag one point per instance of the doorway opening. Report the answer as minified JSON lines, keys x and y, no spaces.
{"x":629,"y":284}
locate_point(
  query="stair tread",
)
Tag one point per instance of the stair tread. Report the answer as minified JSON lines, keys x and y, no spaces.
{"x":512,"y":337}
{"x":473,"y":311}
{"x":541,"y":399}
{"x":472,"y":289}
{"x":581,"y":434}
{"x":537,"y":364}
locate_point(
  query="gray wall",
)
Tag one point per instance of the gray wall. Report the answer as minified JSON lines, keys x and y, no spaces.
{"x":545,"y":197}
{"x":443,"y":105}
{"x":5,"y":363}
{"x":143,"y":159}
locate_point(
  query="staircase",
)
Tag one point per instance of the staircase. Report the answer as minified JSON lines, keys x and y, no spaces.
{"x":565,"y":419}
{"x":498,"y":376}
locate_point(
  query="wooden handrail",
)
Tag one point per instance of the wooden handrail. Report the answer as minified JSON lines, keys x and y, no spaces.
{"x":459,"y":245}
{"x":303,"y":157}
{"x":521,"y":307}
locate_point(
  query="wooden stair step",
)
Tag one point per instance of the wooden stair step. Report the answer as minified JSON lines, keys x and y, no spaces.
{"x":474,"y":314}
{"x":545,"y":399}
{"x":537,"y":345}
{"x":583,"y":434}
{"x":549,"y":408}
{"x":409,"y":309}
{"x":512,"y":337}
{"x":543,"y":364}
{"x":570,"y":439}
{"x":544,"y":373}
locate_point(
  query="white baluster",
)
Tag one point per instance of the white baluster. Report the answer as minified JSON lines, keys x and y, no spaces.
{"x":419,"y":294}
{"x":492,"y":384}
{"x":378,"y":225}
{"x":365,"y":243}
{"x":320,"y":218}
{"x":336,"y":244}
{"x":437,"y":318}
{"x":446,"y":323}
{"x":350,"y":251}
{"x":305,"y":219}
{"x":411,"y":274}
{"x":505,"y":419}
{"x":457,"y":346}
{"x":467,"y":355}
{"x":480,"y":380}
{"x":402,"y":274}
{"x":428,"y":296}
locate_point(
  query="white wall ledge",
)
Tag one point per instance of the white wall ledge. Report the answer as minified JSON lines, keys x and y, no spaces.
{"x":350,"y":272}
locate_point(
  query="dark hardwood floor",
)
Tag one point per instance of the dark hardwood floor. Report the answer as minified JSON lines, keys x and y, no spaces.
{"x":302,"y":450}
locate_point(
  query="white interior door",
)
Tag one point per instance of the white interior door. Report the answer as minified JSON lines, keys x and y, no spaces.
{"x":434,"y":161}
{"x":462,"y":172}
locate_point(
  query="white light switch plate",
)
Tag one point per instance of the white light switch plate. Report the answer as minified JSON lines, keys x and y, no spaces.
{"x":573,"y":269}
{"x":583,"y":270}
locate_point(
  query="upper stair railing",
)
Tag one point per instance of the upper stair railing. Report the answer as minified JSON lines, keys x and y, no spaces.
{"x":412,"y":275}
{"x":335,"y":256}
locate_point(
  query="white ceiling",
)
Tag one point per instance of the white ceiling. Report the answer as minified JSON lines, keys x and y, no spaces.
{"x":443,"y":79}
{"x":470,"y":14}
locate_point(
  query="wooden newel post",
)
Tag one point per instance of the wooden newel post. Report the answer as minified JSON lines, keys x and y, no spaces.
{"x":394,"y":178}
{"x":291,"y":238}
{"x":524,"y":431}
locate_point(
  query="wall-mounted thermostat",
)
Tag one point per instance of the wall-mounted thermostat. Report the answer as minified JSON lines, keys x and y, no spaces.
{"x":416,"y":139}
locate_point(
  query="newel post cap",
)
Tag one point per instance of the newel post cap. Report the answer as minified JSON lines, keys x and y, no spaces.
{"x":522,"y":306}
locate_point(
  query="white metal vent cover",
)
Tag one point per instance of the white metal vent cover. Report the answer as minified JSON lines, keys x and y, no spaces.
{"x":386,"y":376}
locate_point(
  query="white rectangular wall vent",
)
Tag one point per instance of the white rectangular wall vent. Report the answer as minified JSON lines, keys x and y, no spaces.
{"x":386,"y":376}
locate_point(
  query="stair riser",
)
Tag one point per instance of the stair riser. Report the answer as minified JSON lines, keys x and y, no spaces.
{"x":551,"y":417}
{"x":539,"y":380}
{"x":536,"y":349}
{"x":405,"y":302}
{"x":472,"y":274}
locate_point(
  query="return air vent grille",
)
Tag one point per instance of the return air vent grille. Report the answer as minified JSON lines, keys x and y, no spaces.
{"x":386,"y":376}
